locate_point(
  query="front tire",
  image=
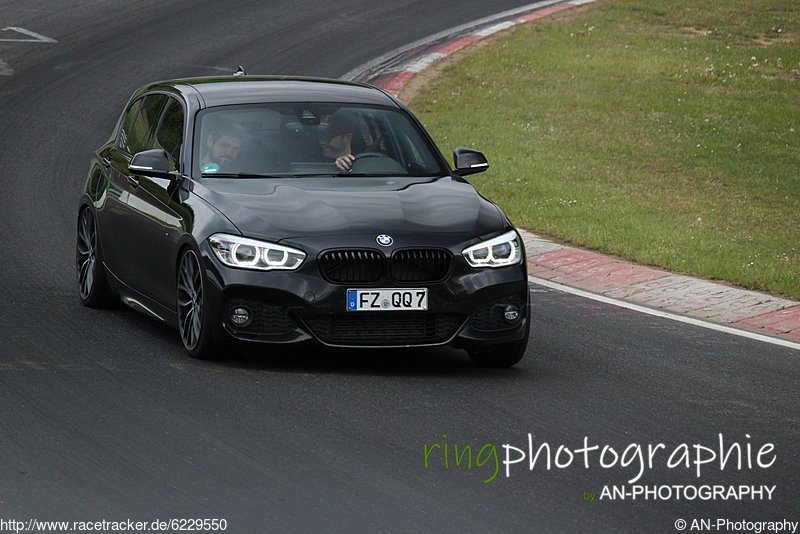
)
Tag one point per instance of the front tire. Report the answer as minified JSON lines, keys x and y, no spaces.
{"x":92,"y":284}
{"x":193,"y":321}
{"x":503,"y":355}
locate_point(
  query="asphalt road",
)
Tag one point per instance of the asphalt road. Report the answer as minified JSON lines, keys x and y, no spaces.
{"x":104,"y":416}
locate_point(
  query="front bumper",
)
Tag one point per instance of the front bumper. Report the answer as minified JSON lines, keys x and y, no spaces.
{"x":465,"y":310}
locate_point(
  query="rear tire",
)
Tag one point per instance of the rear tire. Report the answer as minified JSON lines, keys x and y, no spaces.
{"x":92,"y":284}
{"x":193,"y":321}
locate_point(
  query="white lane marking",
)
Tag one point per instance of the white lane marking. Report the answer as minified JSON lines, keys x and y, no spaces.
{"x":36,"y":37}
{"x":5,"y":69}
{"x":422,"y":63}
{"x":496,"y":28}
{"x":665,"y":315}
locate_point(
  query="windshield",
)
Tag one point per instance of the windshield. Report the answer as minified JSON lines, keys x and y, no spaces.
{"x":310,"y":139}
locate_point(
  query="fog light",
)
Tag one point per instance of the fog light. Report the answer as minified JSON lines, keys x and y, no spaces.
{"x":511,"y":313}
{"x":241,"y":317}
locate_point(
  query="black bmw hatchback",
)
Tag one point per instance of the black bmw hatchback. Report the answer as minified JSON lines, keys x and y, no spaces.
{"x":280,"y":210}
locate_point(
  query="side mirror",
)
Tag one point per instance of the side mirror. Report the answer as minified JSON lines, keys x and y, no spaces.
{"x":153,"y":163}
{"x":468,"y":161}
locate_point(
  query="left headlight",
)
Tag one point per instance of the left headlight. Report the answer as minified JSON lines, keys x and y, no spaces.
{"x":498,"y":252}
{"x":235,"y":251}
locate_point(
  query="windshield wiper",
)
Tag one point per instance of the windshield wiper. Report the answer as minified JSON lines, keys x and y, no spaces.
{"x":341,"y":174}
{"x":240,"y":175}
{"x":273,"y":175}
{"x":306,"y":175}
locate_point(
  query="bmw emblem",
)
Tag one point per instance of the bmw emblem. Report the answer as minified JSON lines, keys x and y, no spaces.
{"x":384,"y":240}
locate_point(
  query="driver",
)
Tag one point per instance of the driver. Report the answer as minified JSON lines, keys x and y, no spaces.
{"x":336,"y":139}
{"x":222,"y":147}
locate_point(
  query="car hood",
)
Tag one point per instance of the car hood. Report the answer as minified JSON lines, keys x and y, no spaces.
{"x":276,"y":209}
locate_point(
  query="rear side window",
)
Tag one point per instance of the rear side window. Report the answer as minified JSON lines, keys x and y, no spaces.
{"x":137,"y":128}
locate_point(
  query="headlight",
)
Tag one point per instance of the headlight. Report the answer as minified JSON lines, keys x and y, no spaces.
{"x":498,"y":252}
{"x":235,"y":251}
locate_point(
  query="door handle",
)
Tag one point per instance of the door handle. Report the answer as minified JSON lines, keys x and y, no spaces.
{"x":106,"y":162}
{"x":134,"y":181}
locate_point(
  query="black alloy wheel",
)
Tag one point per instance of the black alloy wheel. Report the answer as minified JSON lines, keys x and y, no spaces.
{"x":92,"y":286}
{"x":192,"y":320}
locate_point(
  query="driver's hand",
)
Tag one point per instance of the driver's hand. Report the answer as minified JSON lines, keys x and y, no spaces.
{"x":345,"y":163}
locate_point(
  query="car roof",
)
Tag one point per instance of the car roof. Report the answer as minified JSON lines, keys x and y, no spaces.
{"x":228,"y":90}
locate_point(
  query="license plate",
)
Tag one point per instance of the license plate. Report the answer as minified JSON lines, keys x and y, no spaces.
{"x":387,"y":299}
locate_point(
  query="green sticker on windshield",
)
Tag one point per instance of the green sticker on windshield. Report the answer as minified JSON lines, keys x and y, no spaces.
{"x":209,"y":168}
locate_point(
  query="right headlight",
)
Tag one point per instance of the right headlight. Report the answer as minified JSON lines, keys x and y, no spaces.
{"x":497,"y":252}
{"x":236,"y":251}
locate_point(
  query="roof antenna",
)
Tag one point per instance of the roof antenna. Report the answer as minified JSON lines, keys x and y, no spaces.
{"x":240,"y":71}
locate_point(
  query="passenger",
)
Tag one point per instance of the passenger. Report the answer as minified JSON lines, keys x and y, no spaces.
{"x":336,"y":139}
{"x":222,"y":147}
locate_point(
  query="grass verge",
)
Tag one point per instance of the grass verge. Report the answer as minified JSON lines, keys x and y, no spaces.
{"x":665,"y":134}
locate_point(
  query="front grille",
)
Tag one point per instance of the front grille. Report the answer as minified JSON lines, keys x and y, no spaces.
{"x":268,"y":319}
{"x":384,"y":328}
{"x":490,"y":317}
{"x":352,"y":266}
{"x":368,"y":266}
{"x":420,"y":265}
